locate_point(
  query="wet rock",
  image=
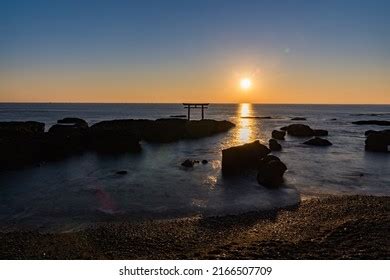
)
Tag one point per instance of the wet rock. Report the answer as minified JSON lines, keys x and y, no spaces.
{"x":299,"y":130}
{"x":74,"y":121}
{"x":320,"y":132}
{"x":279,"y":135}
{"x":188,"y":163}
{"x":317,"y":141}
{"x":21,"y":143}
{"x":378,"y":141}
{"x":113,"y":137}
{"x":239,"y":158}
{"x":271,"y":171}
{"x":274,"y":145}
{"x":368,"y":132}
{"x":121,"y":172}
{"x":298,"y":119}
{"x":205,"y":161}
{"x":372,"y":122}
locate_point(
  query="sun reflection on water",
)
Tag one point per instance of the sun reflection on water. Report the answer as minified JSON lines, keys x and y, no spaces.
{"x":245,"y":125}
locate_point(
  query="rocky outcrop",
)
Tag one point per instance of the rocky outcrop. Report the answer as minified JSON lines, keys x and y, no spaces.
{"x":271,"y":171}
{"x":302,"y":130}
{"x":372,"y":122}
{"x":239,"y":158}
{"x":274,"y":145}
{"x":317,"y":141}
{"x":279,"y":135}
{"x":378,"y":141}
{"x":188,"y":163}
{"x":20,"y":143}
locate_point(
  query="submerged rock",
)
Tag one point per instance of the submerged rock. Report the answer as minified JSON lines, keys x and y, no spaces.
{"x":279,"y":135}
{"x":188,"y":163}
{"x":205,"y":161}
{"x":317,"y":141}
{"x":271,"y":171}
{"x":121,"y":172}
{"x":373,"y":122}
{"x":303,"y":130}
{"x":298,"y":119}
{"x":274,"y":145}
{"x":378,"y":141}
{"x":236,"y":159}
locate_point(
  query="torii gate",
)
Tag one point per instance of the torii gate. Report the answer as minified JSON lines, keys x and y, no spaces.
{"x":190,"y":106}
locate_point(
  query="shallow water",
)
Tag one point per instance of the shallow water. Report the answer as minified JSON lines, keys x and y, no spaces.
{"x":86,"y":189}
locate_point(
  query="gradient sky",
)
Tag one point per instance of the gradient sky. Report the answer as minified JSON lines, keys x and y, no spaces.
{"x":195,"y":51}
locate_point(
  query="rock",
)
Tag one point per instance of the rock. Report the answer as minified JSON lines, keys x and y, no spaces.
{"x":320,"y":132}
{"x":122,"y":172}
{"x":299,"y":130}
{"x":178,"y":116}
{"x":334,"y":119}
{"x":205,"y":161}
{"x":74,"y":121}
{"x":113,"y":137}
{"x":274,"y":145}
{"x":239,"y":158}
{"x":368,"y":132}
{"x":279,"y":135}
{"x":298,"y":119}
{"x":378,"y":141}
{"x":317,"y":141}
{"x":21,"y":143}
{"x":284,"y":128}
{"x":271,"y":171}
{"x":188,"y":163}
{"x":372,"y":122}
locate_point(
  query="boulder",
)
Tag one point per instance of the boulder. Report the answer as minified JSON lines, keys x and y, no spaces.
{"x":113,"y":137}
{"x":279,"y":135}
{"x":188,"y":163}
{"x":21,"y":143}
{"x":320,"y":132}
{"x":239,"y":158}
{"x":299,"y":130}
{"x":271,"y":171}
{"x":205,"y":161}
{"x":298,"y":119}
{"x":378,"y":141}
{"x":372,"y":122}
{"x":73,"y":121}
{"x":317,"y":141}
{"x":274,"y":145}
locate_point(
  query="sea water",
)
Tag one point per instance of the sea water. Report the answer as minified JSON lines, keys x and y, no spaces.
{"x":83,"y":190}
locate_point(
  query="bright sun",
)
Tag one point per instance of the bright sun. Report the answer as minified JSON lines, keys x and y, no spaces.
{"x":245,"y":83}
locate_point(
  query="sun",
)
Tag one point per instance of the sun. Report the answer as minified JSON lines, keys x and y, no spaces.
{"x":245,"y":83}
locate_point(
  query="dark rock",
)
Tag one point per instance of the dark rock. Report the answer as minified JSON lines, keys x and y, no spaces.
{"x":271,"y":171}
{"x":298,"y":119}
{"x":239,"y":158}
{"x":299,"y":130}
{"x":205,"y":161}
{"x":122,"y":172}
{"x":372,"y":122}
{"x":334,"y":119}
{"x":279,"y":135}
{"x":178,"y":116}
{"x":317,"y":141}
{"x":368,"y":132}
{"x":114,"y":136}
{"x":284,"y":128}
{"x":378,"y":141}
{"x":188,"y":163}
{"x":21,"y":143}
{"x":320,"y":132}
{"x":74,"y":121}
{"x":274,"y":145}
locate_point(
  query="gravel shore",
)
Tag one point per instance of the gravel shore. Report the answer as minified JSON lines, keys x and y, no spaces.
{"x":332,"y":227}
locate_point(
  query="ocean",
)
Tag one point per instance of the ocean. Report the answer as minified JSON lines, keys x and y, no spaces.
{"x":85,"y":190}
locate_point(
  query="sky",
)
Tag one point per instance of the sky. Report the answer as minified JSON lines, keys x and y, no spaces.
{"x":195,"y":51}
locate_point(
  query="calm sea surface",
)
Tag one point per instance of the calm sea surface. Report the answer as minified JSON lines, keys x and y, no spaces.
{"x":81,"y":190}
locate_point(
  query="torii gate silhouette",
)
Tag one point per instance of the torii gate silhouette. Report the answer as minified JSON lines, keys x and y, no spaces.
{"x":190,"y":106}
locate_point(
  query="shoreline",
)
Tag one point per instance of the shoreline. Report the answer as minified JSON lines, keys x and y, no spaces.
{"x":329,"y":227}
